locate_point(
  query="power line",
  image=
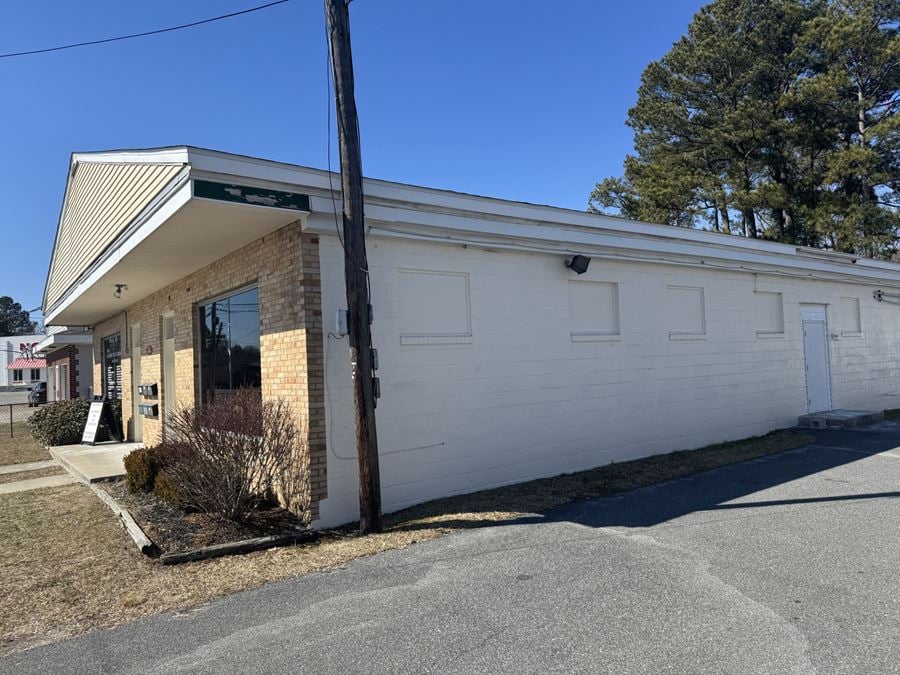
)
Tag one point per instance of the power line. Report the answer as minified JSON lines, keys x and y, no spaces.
{"x":144,"y":34}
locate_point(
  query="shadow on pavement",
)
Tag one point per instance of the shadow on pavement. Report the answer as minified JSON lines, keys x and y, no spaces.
{"x":713,"y":490}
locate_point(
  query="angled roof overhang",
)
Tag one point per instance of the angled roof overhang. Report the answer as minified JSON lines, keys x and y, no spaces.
{"x":63,"y":336}
{"x":180,"y":221}
{"x":141,"y":220}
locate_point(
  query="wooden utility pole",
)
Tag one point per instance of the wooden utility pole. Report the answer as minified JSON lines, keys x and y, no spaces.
{"x":355,"y":268}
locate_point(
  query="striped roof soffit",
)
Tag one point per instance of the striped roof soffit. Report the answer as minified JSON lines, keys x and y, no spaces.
{"x":101,"y":200}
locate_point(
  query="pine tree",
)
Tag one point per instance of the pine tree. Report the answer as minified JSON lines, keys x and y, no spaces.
{"x":13,"y":319}
{"x":772,"y":118}
{"x":855,"y":76}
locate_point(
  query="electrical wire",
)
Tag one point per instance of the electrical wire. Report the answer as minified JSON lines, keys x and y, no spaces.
{"x":131,"y":36}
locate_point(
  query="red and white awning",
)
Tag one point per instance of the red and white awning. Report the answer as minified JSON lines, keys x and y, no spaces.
{"x":23,"y":363}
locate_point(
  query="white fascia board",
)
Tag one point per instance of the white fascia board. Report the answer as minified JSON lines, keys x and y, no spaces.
{"x":431,"y":198}
{"x":446,"y":228}
{"x":165,"y":211}
{"x":63,"y":340}
{"x":214,"y":165}
{"x":518,"y":215}
{"x":280,"y":175}
{"x":174,"y":155}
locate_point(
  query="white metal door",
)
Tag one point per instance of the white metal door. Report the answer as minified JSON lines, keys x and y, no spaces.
{"x":815,"y":353}
{"x":138,"y":424}
{"x":168,"y":358}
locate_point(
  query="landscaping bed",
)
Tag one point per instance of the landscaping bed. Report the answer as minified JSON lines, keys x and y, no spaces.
{"x":174,"y":530}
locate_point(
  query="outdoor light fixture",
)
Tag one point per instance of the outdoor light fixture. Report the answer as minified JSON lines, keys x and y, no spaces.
{"x":578,"y":264}
{"x":119,"y":289}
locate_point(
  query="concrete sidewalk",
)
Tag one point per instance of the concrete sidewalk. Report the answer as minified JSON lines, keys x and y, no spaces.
{"x":92,"y":463}
{"x":36,"y":483}
{"x":26,"y":466}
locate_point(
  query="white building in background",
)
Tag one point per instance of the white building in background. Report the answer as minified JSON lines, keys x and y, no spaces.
{"x":19,"y":367}
{"x":68,"y":352}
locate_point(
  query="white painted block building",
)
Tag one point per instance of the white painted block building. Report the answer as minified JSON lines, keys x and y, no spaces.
{"x":498,"y":363}
{"x":501,"y":365}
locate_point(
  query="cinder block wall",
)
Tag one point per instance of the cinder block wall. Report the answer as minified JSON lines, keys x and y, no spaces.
{"x":285,"y":267}
{"x":524,"y":396}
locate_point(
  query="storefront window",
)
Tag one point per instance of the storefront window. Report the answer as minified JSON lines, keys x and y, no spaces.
{"x":229,"y":344}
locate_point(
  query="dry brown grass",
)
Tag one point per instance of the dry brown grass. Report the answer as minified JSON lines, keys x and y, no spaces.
{"x":28,"y":475}
{"x":67,"y":567}
{"x":21,"y":447}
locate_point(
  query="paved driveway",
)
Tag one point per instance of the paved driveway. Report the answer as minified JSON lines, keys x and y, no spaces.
{"x":789,"y":563}
{"x":13,"y":397}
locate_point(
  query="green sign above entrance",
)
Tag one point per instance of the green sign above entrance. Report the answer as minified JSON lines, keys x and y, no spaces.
{"x":244,"y":194}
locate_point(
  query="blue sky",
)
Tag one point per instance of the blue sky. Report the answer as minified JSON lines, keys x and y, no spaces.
{"x":519,"y":99}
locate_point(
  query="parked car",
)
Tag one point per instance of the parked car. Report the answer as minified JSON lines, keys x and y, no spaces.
{"x":37,"y":394}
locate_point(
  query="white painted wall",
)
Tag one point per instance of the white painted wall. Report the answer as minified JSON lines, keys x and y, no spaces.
{"x":521,"y":397}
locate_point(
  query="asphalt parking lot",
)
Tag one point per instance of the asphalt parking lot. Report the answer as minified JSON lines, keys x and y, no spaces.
{"x":784,"y":564}
{"x":7,"y":397}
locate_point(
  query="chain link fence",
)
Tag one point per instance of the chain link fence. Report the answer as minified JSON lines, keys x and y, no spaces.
{"x":13,"y":417}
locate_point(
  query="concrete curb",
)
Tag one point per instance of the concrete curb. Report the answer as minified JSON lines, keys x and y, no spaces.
{"x":235,"y":547}
{"x":141,"y":540}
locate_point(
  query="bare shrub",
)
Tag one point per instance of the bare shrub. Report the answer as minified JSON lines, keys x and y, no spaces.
{"x":231,"y":455}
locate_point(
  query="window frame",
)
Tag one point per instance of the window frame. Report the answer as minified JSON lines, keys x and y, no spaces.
{"x":678,"y":335}
{"x":769,"y":334}
{"x":595,"y":335}
{"x":841,"y":309}
{"x":414,"y":338}
{"x":199,"y":320}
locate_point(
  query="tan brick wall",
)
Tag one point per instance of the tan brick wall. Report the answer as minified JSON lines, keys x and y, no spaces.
{"x":285,"y":267}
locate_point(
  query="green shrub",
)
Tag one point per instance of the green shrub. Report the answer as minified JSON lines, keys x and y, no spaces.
{"x":141,"y":469}
{"x":166,"y":490}
{"x":62,"y":422}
